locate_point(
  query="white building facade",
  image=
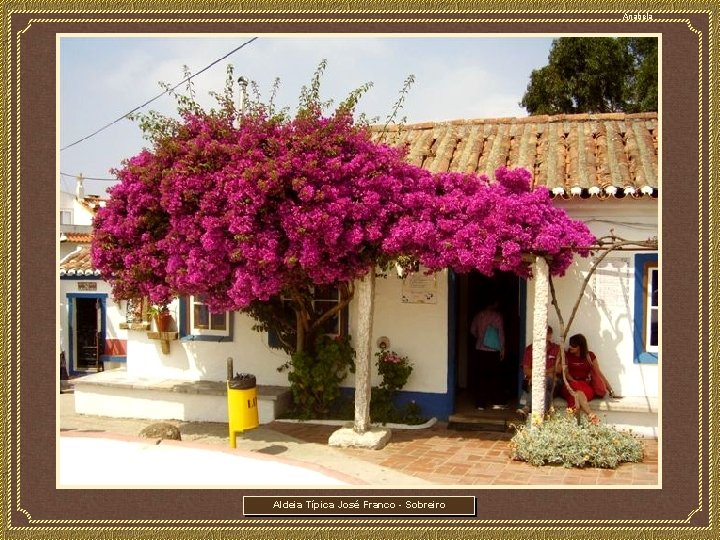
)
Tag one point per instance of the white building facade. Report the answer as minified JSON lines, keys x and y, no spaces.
{"x":613,"y":188}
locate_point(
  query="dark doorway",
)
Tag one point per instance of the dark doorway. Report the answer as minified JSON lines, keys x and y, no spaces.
{"x":87,"y":316}
{"x":474,"y":290}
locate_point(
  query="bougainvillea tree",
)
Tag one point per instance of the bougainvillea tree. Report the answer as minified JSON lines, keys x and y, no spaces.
{"x":243,"y":212}
{"x":464,"y":222}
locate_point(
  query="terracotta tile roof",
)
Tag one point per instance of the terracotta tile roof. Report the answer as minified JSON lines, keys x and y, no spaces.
{"x":572,"y":154}
{"x":78,"y":238}
{"x":78,"y":263}
{"x":93,"y":202}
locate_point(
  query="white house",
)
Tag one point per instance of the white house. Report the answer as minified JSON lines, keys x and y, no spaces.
{"x":602,"y":169}
{"x":90,"y":323}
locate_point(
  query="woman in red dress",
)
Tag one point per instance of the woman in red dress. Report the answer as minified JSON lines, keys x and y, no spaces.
{"x":580,"y":366}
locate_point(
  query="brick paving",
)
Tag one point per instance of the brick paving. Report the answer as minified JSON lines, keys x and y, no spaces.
{"x":451,"y":457}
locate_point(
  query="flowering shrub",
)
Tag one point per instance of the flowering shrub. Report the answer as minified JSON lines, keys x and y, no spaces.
{"x":464,"y":222}
{"x":241,"y":213}
{"x":393,"y":368}
{"x":562,"y":439}
{"x":395,"y":371}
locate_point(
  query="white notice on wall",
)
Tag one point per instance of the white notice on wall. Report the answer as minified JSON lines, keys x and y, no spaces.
{"x":419,"y":288}
{"x":612,"y":283}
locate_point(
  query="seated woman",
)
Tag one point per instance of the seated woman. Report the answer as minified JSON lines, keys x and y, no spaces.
{"x":581,"y":366}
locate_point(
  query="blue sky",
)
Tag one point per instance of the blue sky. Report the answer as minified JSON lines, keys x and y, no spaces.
{"x":102,"y":78}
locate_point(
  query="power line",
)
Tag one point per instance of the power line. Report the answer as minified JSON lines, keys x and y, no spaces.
{"x":187,"y":79}
{"x":91,"y":178}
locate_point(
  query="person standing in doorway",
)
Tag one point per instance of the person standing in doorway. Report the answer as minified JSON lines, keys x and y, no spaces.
{"x":485,"y":369}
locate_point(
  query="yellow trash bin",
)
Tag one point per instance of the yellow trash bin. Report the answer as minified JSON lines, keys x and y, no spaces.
{"x":242,"y":405}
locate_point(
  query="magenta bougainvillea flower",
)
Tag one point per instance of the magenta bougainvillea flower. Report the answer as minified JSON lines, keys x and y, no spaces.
{"x":237,"y":214}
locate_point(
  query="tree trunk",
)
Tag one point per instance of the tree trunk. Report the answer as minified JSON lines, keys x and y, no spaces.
{"x":539,"y":343}
{"x":365,"y":294}
{"x":300,"y":332}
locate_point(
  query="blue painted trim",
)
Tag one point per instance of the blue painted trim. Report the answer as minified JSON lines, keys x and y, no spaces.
{"x":217,"y":339}
{"x":430,"y":404}
{"x":183,"y":317}
{"x":184,"y":325}
{"x":108,"y":358}
{"x":71,"y":329}
{"x":640,"y":355}
{"x":522,"y":335}
{"x":81,"y":278}
{"x":452,"y":323}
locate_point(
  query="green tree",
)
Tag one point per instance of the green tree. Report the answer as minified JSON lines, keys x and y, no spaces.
{"x":595,"y":75}
{"x":643,"y":84}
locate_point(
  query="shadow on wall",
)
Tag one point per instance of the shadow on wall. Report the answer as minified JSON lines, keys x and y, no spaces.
{"x":604,"y":316}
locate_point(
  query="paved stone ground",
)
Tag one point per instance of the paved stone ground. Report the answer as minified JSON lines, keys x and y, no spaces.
{"x":445,"y":456}
{"x":435,"y":455}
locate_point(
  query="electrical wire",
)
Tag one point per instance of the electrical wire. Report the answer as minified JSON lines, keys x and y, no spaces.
{"x":148,"y":102}
{"x":91,"y":178}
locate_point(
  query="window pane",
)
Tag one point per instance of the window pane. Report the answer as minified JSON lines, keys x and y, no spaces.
{"x":218,"y":321}
{"x":331,"y":326}
{"x":654,"y":328}
{"x":654,"y":287}
{"x":326,"y":292}
{"x":200,"y":316}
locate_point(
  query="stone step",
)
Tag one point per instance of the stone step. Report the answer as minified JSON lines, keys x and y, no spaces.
{"x":116,"y":393}
{"x":499,"y":420}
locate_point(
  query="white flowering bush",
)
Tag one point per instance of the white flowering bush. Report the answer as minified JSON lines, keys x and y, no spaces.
{"x":563,"y":439}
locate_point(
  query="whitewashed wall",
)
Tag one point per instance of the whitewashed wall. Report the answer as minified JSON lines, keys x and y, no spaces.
{"x":207,"y":360}
{"x":416,"y":330}
{"x":607,"y":322}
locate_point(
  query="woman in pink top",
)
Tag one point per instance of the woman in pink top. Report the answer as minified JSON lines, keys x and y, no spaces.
{"x":485,"y":368}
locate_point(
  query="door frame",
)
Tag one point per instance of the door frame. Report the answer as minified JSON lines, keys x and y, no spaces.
{"x":72,"y":325}
{"x":454,"y":320}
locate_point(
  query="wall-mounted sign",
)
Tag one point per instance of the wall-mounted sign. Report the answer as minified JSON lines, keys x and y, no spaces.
{"x":87,"y":286}
{"x":612,"y":283}
{"x":419,"y":288}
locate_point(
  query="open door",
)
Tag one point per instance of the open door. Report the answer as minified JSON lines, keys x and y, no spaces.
{"x":88,"y":333}
{"x":473,"y":291}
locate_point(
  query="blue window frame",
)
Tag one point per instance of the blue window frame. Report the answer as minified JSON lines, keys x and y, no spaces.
{"x":647,"y":309}
{"x":198,"y":324}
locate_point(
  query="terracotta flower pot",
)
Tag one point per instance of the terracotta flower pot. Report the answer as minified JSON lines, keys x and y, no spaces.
{"x":163,"y":321}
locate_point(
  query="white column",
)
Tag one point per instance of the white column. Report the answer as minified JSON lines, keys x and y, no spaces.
{"x":365,"y":294}
{"x":539,"y":333}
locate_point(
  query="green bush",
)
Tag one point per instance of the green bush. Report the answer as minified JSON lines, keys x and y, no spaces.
{"x":395,"y":371}
{"x":315,"y":376}
{"x":384,"y":410}
{"x":564,"y":440}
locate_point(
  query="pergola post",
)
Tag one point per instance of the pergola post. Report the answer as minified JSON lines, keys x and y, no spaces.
{"x":362,"y":435}
{"x":364,"y":292}
{"x":539,"y":333}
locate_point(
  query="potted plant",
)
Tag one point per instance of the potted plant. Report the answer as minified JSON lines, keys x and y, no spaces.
{"x":162,"y":317}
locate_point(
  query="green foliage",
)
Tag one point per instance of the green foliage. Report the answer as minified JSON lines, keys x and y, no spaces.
{"x":395,"y":371}
{"x":316,"y":374}
{"x":595,"y":75}
{"x":393,"y":368}
{"x":643,"y":86}
{"x":384,"y":410}
{"x":564,"y":440}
